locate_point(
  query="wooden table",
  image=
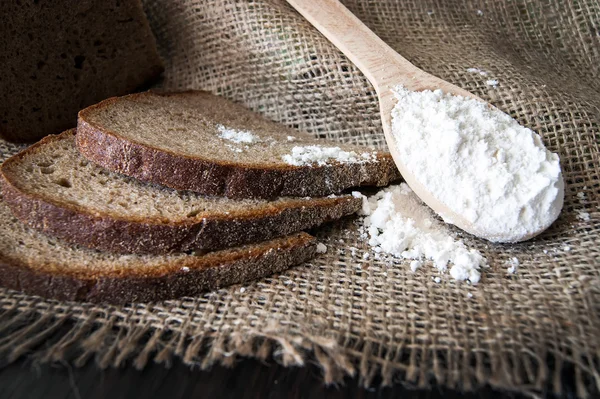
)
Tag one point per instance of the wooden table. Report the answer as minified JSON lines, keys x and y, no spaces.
{"x":248,"y":379}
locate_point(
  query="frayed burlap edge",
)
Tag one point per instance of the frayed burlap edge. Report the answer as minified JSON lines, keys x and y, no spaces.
{"x":52,"y":339}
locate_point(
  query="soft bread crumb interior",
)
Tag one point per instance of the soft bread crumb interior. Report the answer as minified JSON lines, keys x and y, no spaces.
{"x":60,"y":174}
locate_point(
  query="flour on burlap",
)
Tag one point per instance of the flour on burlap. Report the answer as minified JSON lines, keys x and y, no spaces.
{"x":513,"y":264}
{"x":479,"y":162}
{"x":400,"y":224}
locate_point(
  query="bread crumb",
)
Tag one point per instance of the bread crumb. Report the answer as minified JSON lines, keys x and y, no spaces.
{"x":366,"y":255}
{"x":479,"y":12}
{"x":581,"y":195}
{"x":242,"y":290}
{"x":566,"y":248}
{"x":291,"y":138}
{"x":185,"y":269}
{"x":437,"y":280}
{"x":469,"y":295}
{"x":491,"y":82}
{"x":321,"y":248}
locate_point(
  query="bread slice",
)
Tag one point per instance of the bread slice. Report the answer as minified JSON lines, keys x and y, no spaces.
{"x":59,"y":56}
{"x":41,"y":265}
{"x":52,"y":188}
{"x":197,"y":141}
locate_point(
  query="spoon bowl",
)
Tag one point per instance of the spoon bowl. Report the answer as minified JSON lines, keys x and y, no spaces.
{"x":386,"y":69}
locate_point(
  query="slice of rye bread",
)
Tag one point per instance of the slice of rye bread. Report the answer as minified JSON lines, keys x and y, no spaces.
{"x":37,"y":264}
{"x":52,"y":188}
{"x":205,"y":143}
{"x":59,"y":56}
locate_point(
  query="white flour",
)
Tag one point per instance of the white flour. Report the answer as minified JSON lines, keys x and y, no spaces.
{"x":312,"y":154}
{"x":237,"y":136}
{"x":477,"y":70}
{"x":583,"y":215}
{"x":400,"y":224}
{"x":321,"y":248}
{"x":513,"y":264}
{"x":479,"y":162}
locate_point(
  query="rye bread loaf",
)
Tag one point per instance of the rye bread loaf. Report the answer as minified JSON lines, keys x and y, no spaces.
{"x":57,"y":57}
{"x":52,"y":188}
{"x":37,"y":264}
{"x":197,"y":141}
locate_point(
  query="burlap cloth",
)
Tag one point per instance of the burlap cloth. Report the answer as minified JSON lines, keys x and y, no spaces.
{"x":366,"y":317}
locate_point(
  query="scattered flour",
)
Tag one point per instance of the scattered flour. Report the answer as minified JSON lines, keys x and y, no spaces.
{"x":477,"y":70}
{"x":513,"y":265}
{"x":491,"y":82}
{"x":323,"y":155}
{"x":321,"y":248}
{"x":415,"y":264}
{"x":233,"y":148}
{"x":479,"y":162}
{"x":400,"y":224}
{"x":237,"y":136}
{"x":479,"y":12}
{"x":582,"y":215}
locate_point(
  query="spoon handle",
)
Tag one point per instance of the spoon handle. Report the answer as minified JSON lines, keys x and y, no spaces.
{"x":382,"y":65}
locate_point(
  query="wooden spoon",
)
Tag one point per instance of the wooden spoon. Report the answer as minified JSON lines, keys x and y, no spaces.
{"x":385,"y":69}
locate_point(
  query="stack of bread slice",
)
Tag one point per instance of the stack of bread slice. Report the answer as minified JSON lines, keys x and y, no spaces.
{"x":162,"y":195}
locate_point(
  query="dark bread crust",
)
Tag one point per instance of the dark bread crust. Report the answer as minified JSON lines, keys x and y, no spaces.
{"x":79,"y":225}
{"x":209,"y":272}
{"x":224,"y":178}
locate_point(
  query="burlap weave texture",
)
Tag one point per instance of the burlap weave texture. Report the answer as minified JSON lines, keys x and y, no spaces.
{"x":373,"y":318}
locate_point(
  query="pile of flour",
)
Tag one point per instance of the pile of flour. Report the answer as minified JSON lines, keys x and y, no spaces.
{"x":479,"y":162}
{"x":398,"y":223}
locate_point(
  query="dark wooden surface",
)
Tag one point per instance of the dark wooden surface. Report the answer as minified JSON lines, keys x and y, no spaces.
{"x":248,"y":379}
